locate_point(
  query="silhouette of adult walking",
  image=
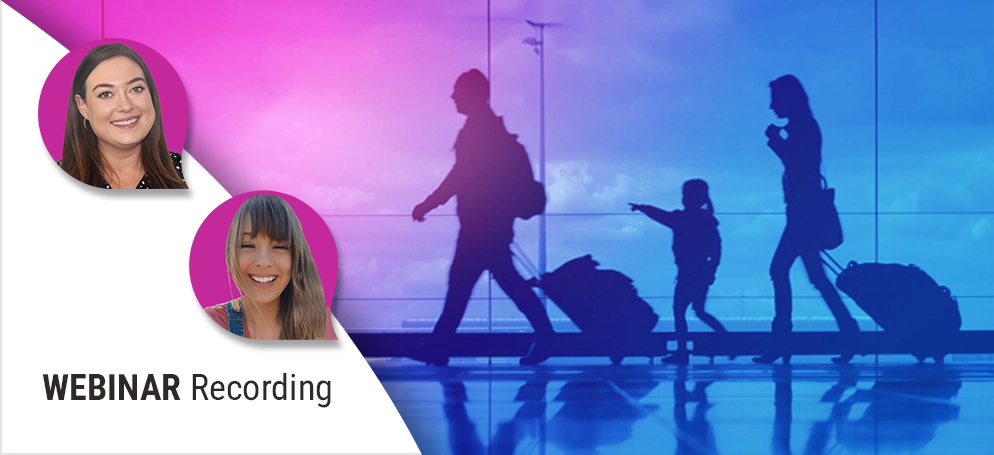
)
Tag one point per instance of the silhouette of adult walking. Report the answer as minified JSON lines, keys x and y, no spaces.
{"x":800,"y":153}
{"x":697,"y":249}
{"x":488,"y":167}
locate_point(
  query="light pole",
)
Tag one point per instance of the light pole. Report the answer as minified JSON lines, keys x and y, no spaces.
{"x":539,"y":46}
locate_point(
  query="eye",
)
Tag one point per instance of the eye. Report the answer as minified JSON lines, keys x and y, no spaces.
{"x":104,"y":95}
{"x":282,"y":247}
{"x":247,"y":245}
{"x":138,"y":89}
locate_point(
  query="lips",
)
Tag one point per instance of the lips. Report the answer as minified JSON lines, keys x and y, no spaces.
{"x":263,"y":279}
{"x":126,"y":123}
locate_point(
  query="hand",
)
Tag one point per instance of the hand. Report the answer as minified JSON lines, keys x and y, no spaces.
{"x":635,"y":207}
{"x":419,"y":212}
{"x":773,"y":131}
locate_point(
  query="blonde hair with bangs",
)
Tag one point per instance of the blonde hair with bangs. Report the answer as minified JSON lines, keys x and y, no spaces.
{"x":302,"y":314}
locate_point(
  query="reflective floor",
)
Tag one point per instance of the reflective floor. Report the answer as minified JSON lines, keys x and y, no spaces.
{"x":586,"y":406}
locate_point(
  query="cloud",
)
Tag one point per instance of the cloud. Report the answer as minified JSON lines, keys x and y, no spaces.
{"x":575,"y":186}
{"x":322,"y":198}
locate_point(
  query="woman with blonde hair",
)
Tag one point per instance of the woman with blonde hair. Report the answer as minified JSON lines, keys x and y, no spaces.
{"x":271,"y":264}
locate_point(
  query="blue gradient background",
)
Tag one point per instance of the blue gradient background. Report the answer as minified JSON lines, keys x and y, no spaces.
{"x":346,"y":106}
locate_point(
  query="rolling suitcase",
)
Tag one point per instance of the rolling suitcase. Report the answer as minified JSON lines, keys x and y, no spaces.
{"x":905,"y":301}
{"x":600,"y":302}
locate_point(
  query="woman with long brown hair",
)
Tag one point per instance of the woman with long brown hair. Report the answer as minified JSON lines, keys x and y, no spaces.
{"x":271,"y":264}
{"x":114,"y":137}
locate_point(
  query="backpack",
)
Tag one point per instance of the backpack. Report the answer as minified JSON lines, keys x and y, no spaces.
{"x":526,"y":195}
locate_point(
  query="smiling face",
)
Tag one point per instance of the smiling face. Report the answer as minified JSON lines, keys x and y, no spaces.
{"x":118,"y":105}
{"x":263,"y":265}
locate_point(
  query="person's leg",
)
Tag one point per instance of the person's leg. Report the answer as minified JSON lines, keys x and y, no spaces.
{"x":467,"y":266}
{"x":511,"y":282}
{"x":816,"y":273}
{"x":847,"y":325}
{"x":699,"y":297}
{"x":783,"y":258}
{"x":518,"y":290}
{"x":681,"y":300}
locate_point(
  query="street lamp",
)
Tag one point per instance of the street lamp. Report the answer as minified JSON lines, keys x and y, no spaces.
{"x":538,"y":45}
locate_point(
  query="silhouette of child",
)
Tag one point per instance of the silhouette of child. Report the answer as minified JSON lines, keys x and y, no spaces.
{"x":697,"y":250}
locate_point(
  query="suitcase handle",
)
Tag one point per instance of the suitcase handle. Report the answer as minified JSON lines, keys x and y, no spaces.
{"x":834,"y":266}
{"x":519,"y":254}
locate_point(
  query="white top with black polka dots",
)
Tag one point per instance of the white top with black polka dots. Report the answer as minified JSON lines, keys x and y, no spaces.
{"x":143,"y":184}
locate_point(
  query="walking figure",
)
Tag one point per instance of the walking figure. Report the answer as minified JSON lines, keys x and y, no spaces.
{"x":697,"y":250}
{"x":800,"y":153}
{"x":489,"y":166}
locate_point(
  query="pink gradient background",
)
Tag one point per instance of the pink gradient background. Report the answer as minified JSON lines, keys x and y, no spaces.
{"x":209,"y":272}
{"x":342,"y":104}
{"x":55,"y":96}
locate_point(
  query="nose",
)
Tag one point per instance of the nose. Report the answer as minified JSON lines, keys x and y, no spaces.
{"x":124,"y":104}
{"x":264,"y":258}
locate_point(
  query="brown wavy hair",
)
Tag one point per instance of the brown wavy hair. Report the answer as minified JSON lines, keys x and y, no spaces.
{"x":81,"y":157}
{"x":302,"y":311}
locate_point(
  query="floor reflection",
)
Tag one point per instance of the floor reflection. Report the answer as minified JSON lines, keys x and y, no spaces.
{"x":480,"y":408}
{"x":901,"y":416}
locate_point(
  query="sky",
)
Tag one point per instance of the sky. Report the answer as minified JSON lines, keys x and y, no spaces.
{"x":346,"y":105}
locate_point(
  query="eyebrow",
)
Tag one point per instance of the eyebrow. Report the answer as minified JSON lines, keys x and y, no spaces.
{"x":111,"y":86}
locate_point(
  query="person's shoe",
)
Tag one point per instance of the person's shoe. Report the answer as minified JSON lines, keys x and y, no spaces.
{"x":849,"y":351}
{"x":777,"y":349}
{"x":769,"y":357}
{"x":537,"y":354}
{"x":843,"y":359}
{"x":677,"y":358}
{"x":422,"y":353}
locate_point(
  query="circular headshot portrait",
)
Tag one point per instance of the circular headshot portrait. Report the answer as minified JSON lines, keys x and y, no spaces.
{"x":263,"y":266}
{"x":113,"y":114}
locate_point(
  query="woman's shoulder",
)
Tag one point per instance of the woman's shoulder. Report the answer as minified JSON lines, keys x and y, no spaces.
{"x":218,"y":313}
{"x":177,"y":160}
{"x":805,"y":124}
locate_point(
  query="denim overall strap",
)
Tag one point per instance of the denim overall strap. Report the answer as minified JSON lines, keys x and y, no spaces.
{"x":236,"y":324}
